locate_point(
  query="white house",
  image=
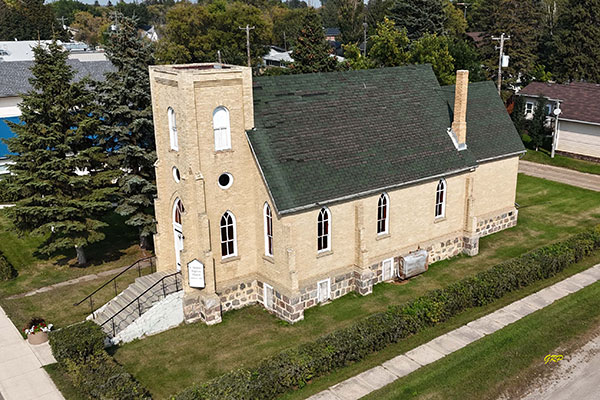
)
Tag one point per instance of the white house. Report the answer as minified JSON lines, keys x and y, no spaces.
{"x":578,"y":131}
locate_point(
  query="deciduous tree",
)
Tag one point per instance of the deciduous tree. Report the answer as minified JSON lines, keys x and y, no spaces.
{"x":389,"y":46}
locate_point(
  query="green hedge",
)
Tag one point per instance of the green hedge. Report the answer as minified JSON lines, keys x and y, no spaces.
{"x":293,"y":368}
{"x":80,"y":350}
{"x":7,"y":271}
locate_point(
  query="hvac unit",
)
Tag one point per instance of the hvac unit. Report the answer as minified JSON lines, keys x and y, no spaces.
{"x":413,"y":264}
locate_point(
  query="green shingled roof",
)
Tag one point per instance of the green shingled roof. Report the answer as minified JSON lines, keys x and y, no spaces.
{"x":490,"y":131}
{"x":321,"y":138}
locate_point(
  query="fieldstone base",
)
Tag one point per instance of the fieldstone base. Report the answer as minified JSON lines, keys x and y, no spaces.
{"x":471,"y":245}
{"x":447,"y":248}
{"x":239,"y":295}
{"x":206,"y":308}
{"x":491,"y":224}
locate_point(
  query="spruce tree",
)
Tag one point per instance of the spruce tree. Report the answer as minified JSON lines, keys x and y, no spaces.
{"x":312,"y":53}
{"x":60,"y":184}
{"x":125,"y":108}
{"x":538,"y":130}
{"x":576,"y":53}
{"x":419,"y":16}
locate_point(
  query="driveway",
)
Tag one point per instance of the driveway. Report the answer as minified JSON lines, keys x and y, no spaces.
{"x":562,"y":175}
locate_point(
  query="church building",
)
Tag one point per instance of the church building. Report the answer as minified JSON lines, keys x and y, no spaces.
{"x":291,"y":191}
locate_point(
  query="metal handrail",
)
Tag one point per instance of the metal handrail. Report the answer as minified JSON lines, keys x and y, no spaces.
{"x":139,"y":307}
{"x":114,"y":280}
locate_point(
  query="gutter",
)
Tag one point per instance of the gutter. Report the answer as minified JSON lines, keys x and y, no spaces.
{"x":581,"y":122}
{"x":503,"y":156}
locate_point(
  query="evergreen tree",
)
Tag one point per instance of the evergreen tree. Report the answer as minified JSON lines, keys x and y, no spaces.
{"x":389,"y":46}
{"x":419,"y":16}
{"x":518,"y":114}
{"x":127,"y":130}
{"x":577,"y":42}
{"x":60,"y":182}
{"x":537,"y":129}
{"x":312,"y":53}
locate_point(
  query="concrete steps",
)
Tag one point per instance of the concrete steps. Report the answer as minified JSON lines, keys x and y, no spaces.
{"x":135,"y":300}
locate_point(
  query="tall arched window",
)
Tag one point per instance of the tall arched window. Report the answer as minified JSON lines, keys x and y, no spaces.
{"x":173,"y":129}
{"x":177,"y":211}
{"x":324,"y":230}
{"x":383,"y":214}
{"x":221,"y":129}
{"x":228,"y":238}
{"x":440,"y":199}
{"x":268,"y":230}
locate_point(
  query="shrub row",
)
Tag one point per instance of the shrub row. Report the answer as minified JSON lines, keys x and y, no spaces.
{"x":80,"y":351}
{"x":294,"y":368}
{"x":7,"y":271}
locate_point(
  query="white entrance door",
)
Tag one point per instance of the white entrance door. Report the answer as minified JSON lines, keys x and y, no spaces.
{"x":388,"y":269}
{"x":268,"y":296}
{"x":323,"y":288}
{"x":178,"y":247}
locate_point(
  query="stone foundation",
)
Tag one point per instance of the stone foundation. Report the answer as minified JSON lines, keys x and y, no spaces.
{"x":290,"y":307}
{"x":491,"y":224}
{"x":578,"y":156}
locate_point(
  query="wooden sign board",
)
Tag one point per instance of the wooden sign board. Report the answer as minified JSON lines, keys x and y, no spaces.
{"x":196,"y":274}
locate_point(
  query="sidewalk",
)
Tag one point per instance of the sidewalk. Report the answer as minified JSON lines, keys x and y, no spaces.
{"x":402,"y":365}
{"x":21,"y":374}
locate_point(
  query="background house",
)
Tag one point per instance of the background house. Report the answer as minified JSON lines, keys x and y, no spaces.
{"x":578,"y":132}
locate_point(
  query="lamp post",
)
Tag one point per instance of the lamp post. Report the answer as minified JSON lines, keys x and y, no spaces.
{"x":556,"y":113}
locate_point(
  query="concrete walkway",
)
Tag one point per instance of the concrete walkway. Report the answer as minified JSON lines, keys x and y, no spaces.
{"x":21,"y":374}
{"x":562,"y":175}
{"x":402,"y":365}
{"x":74,"y":281}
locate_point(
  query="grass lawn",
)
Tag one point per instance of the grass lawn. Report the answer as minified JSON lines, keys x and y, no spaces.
{"x":543,"y":157}
{"x":195,"y":353}
{"x":117,"y":250}
{"x":482,"y":369}
{"x":61,"y":379}
{"x":56,"y":306}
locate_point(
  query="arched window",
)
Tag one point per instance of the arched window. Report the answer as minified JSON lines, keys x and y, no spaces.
{"x":440,"y":199}
{"x":177,"y":211}
{"x":221,"y":129}
{"x":324,"y":230}
{"x":268,"y":230}
{"x":228,"y":240}
{"x":383,"y":214}
{"x":173,"y":129}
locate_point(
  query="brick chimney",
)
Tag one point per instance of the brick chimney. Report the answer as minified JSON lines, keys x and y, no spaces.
{"x":459,"y":125}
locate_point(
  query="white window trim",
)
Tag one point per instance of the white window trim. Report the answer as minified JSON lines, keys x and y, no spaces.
{"x":445,"y":191}
{"x":177,"y":225}
{"x":266,"y":287}
{"x":266,"y":231}
{"x":387,"y":214}
{"x":394,"y":273}
{"x":222,"y":143}
{"x":328,"y":213}
{"x":234,"y":254}
{"x":172,"y":119}
{"x":175,"y":173}
{"x":528,"y":112}
{"x":230,"y":181}
{"x":328,"y":297}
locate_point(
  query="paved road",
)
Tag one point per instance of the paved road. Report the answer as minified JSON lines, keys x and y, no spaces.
{"x":562,"y":175}
{"x":577,"y":378}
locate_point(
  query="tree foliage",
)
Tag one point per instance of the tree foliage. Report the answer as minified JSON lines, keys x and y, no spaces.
{"x":28,"y":20}
{"x":419,"y":16}
{"x":90,"y":29}
{"x":433,"y":49}
{"x":127,"y":130}
{"x":389,"y":46}
{"x":576,"y":52}
{"x":312,"y":53}
{"x":194,"y":33}
{"x":60,"y":181}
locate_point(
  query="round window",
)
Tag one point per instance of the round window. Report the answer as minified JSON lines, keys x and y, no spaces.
{"x":225,"y":180}
{"x":176,"y":175}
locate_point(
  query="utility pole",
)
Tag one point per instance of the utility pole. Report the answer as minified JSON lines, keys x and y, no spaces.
{"x":502,"y":39}
{"x":465,"y":5}
{"x":284,"y":41}
{"x":247,"y":29}
{"x":219,"y":56}
{"x":62,"y":21}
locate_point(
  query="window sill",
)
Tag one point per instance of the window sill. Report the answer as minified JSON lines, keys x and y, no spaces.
{"x":324,"y":253}
{"x":268,"y":259}
{"x":224,"y":151}
{"x":439,"y":219}
{"x":381,"y":236}
{"x":229,"y":259}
